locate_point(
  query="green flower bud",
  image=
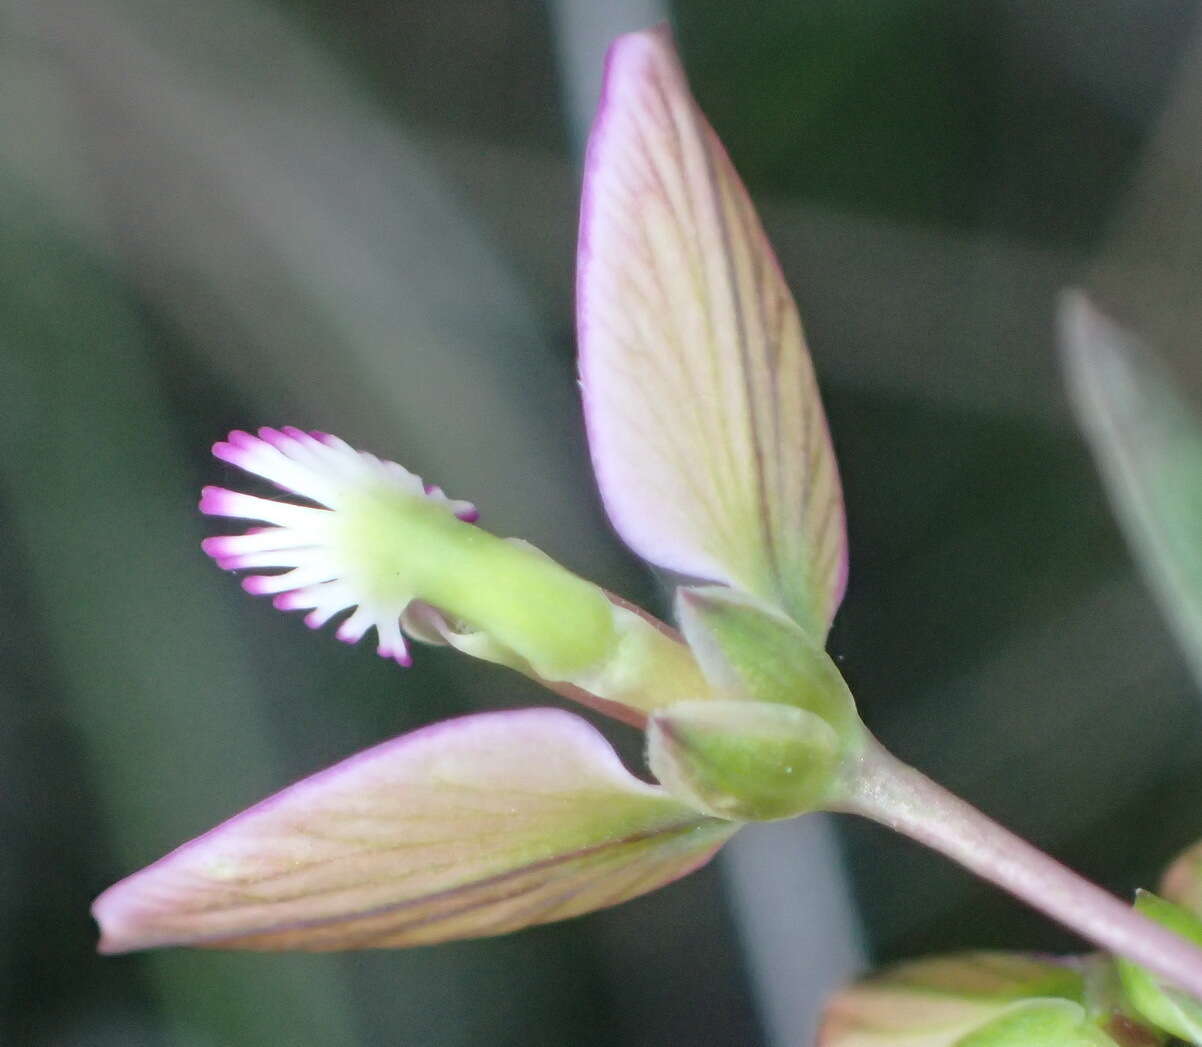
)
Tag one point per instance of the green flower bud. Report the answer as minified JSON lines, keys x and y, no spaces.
{"x":748,"y":761}
{"x":748,"y":650}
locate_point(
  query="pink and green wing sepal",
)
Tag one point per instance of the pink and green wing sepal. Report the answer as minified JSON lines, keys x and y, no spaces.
{"x":477,"y":826}
{"x":705,"y":426}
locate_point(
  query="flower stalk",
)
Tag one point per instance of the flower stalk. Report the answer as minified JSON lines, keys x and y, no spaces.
{"x":886,"y":790}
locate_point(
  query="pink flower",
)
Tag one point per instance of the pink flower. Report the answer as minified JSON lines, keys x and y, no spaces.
{"x":713,"y":458}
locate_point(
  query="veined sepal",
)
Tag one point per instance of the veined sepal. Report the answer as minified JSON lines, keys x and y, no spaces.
{"x":470,"y":827}
{"x":705,"y":426}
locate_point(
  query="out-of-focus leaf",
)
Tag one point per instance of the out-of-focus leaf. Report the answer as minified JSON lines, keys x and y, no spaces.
{"x":706,"y":430}
{"x":1168,"y":1008}
{"x":473,"y":827}
{"x":981,"y":999}
{"x":1148,"y":443}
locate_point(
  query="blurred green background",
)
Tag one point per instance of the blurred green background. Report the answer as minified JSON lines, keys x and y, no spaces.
{"x":359,"y":216}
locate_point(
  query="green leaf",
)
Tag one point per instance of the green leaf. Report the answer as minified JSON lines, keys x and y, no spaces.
{"x":1162,"y":1005}
{"x":1148,"y":443}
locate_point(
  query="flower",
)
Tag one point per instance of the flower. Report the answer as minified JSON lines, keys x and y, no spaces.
{"x":330,"y":567}
{"x":713,"y":459}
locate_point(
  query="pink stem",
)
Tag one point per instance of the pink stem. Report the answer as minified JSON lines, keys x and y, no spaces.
{"x":888,"y":791}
